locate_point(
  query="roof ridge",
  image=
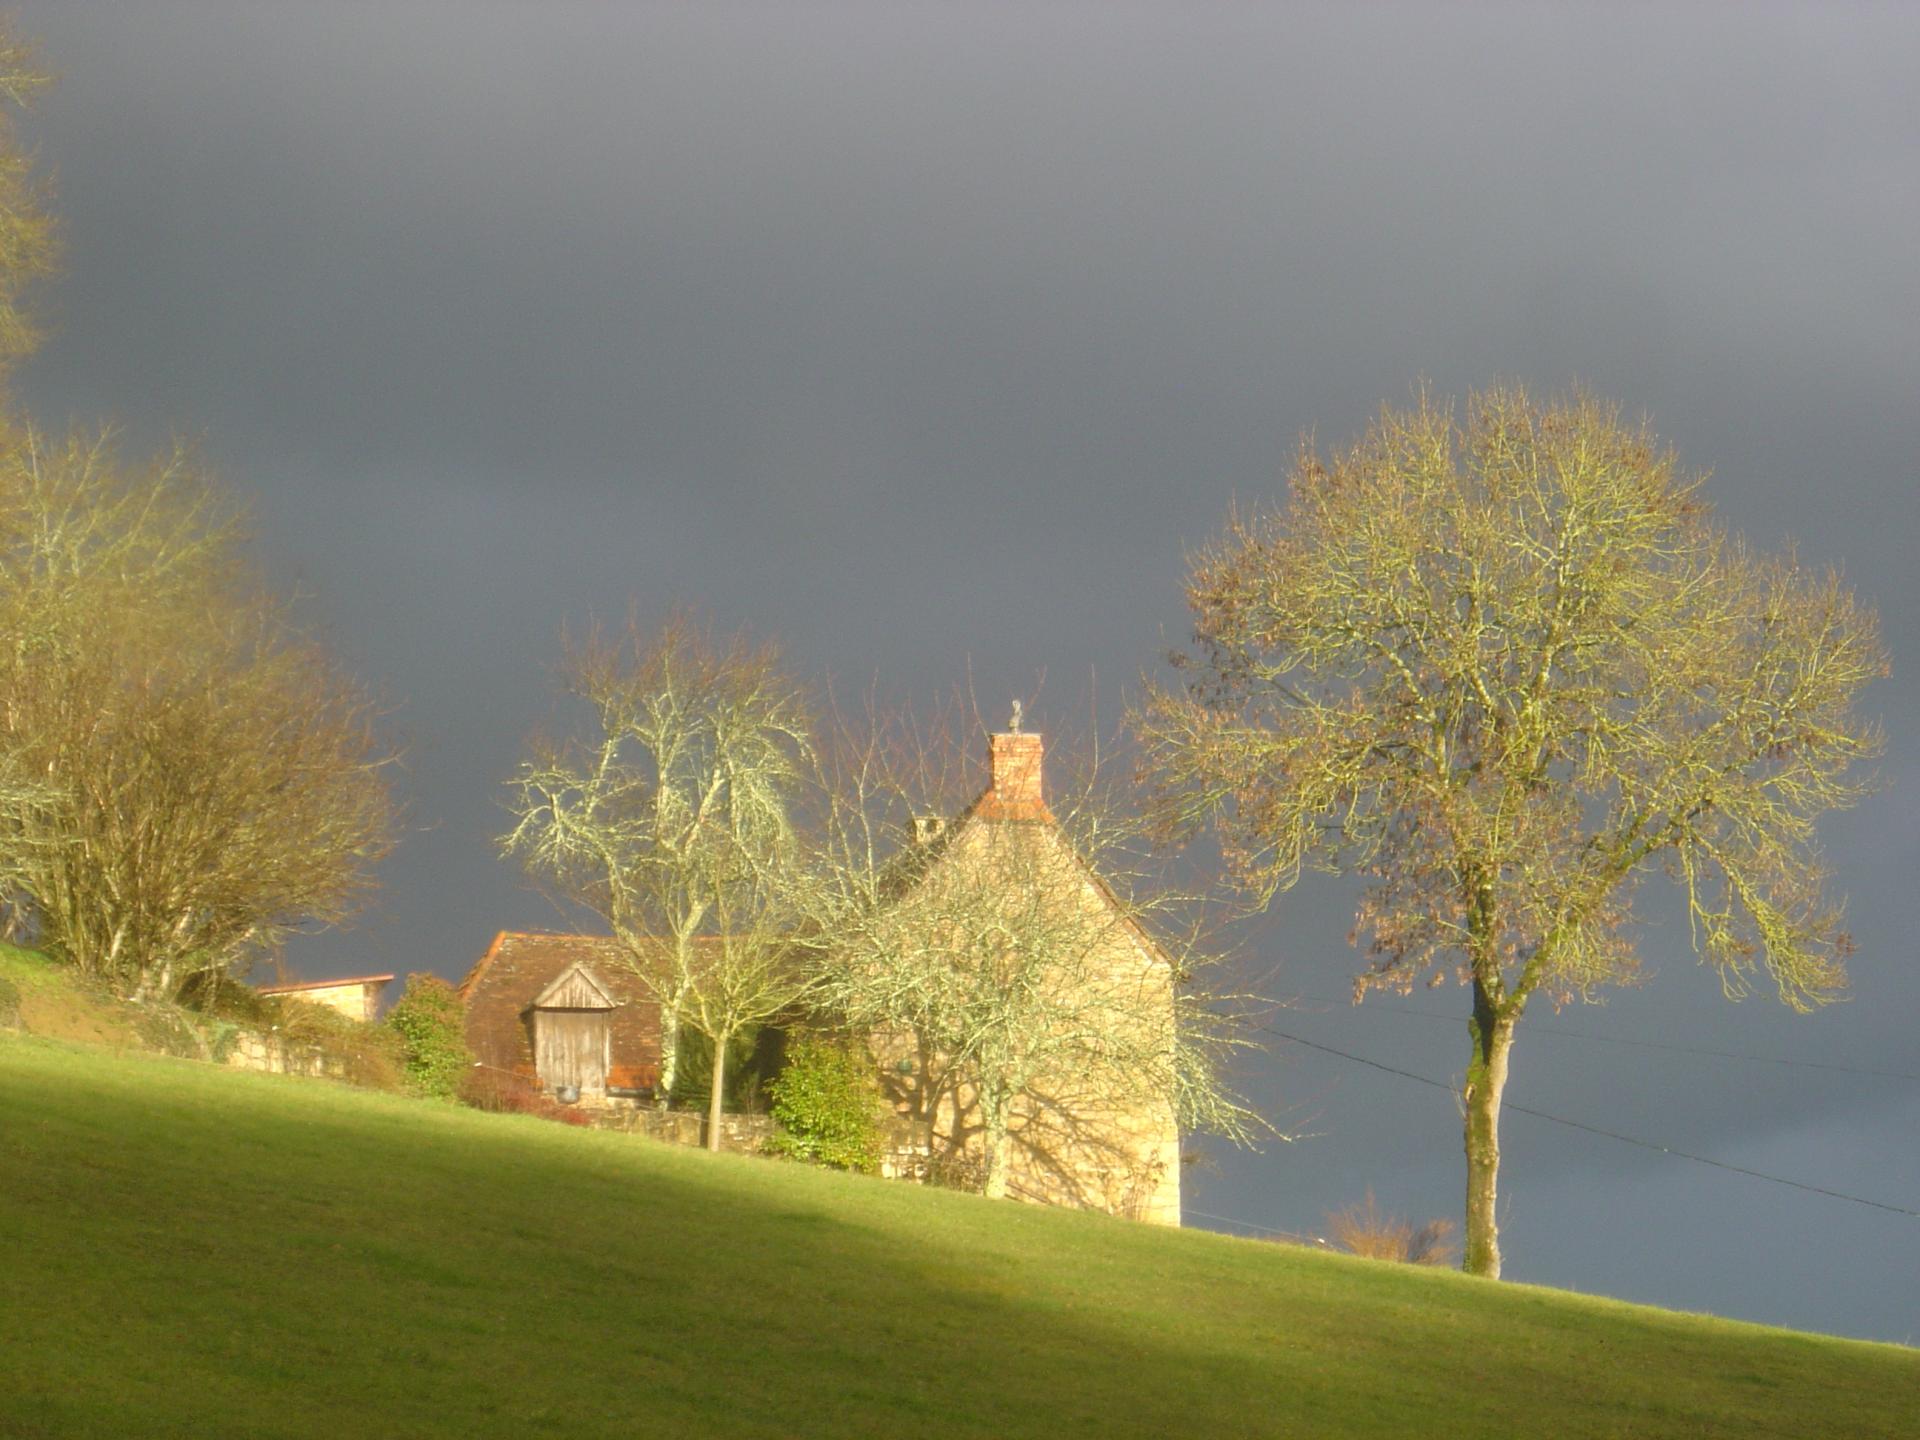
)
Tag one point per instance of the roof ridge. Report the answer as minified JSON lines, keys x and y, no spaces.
{"x":319,"y":984}
{"x":539,"y":936}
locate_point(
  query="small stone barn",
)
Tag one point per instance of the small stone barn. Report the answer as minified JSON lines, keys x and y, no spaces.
{"x":355,"y":996}
{"x":565,"y":1012}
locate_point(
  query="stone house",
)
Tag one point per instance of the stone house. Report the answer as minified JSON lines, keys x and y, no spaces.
{"x":1075,"y":1140}
{"x":565,"y":1012}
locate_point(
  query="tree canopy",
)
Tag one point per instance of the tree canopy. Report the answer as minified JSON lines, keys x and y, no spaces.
{"x":1504,"y":664}
{"x":185,"y":775}
{"x":29,"y":234}
{"x":670,"y":815}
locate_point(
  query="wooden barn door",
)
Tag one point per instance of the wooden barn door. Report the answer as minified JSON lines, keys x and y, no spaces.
{"x":570,"y":1048}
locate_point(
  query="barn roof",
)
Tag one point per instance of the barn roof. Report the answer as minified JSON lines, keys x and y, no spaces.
{"x":294,"y":986}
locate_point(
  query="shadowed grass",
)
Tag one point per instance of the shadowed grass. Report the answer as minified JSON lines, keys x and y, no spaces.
{"x":188,"y":1251}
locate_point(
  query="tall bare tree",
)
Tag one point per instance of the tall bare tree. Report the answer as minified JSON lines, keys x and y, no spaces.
{"x":672,"y":820}
{"x":1019,"y":954}
{"x":29,"y":235}
{"x":1504,"y":666}
{"x":184,"y":776}
{"x":189,"y":778}
{"x":751,"y":970}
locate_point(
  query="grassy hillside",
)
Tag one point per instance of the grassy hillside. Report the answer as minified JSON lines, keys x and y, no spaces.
{"x":190,"y":1251}
{"x":48,"y":1000}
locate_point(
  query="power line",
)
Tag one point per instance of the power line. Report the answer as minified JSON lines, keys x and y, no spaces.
{"x":1637,"y":1044}
{"x":1249,"y":1225}
{"x":1599,"y":1130}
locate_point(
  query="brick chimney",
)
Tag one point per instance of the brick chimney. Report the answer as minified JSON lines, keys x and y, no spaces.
{"x":1015,"y":760}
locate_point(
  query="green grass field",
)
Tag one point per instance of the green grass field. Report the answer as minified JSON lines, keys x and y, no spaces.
{"x":190,"y":1251}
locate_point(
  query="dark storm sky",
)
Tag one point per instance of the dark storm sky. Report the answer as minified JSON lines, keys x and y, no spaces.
{"x":928,"y":337}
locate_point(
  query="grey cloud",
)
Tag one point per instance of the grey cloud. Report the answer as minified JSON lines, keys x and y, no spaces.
{"x":930,"y":337}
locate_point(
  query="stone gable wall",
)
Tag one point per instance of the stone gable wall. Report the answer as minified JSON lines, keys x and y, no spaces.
{"x":1073,"y":1143}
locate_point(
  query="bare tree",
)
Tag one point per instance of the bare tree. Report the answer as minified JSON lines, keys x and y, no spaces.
{"x":1504,"y":667}
{"x":189,"y":778}
{"x":750,"y":970}
{"x":673,"y":819}
{"x":1015,"y":956}
{"x":184,"y":776}
{"x":29,"y":236}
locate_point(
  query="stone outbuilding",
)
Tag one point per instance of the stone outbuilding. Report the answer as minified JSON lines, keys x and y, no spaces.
{"x":564,"y":1012}
{"x":357,"y":996}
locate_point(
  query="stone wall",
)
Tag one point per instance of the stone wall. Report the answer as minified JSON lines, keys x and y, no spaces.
{"x":904,"y":1152}
{"x":273,"y":1055}
{"x":741,"y":1134}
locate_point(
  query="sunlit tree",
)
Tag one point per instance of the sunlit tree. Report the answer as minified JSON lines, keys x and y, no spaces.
{"x":29,"y":236}
{"x":186,"y":777}
{"x":671,"y":817}
{"x":1505,"y":665}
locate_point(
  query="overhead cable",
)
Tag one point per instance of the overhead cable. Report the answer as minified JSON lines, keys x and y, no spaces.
{"x":1343,"y":1007}
{"x":1601,"y":1130}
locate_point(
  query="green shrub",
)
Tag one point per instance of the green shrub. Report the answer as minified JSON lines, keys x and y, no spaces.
{"x":753,"y":1057}
{"x":431,"y":1024}
{"x":224,"y":996}
{"x":827,"y":1102}
{"x":169,"y":1030}
{"x":367,"y":1055}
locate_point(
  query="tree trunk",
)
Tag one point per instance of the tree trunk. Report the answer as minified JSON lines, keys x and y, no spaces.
{"x":928,"y":1094}
{"x":155,"y":984}
{"x":669,"y":1053}
{"x":930,"y":1118}
{"x":1492,"y":1034}
{"x":716,"y":1106}
{"x":994,"y":1183}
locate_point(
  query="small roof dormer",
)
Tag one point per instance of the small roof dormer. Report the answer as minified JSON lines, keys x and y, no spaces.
{"x":575,"y":988}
